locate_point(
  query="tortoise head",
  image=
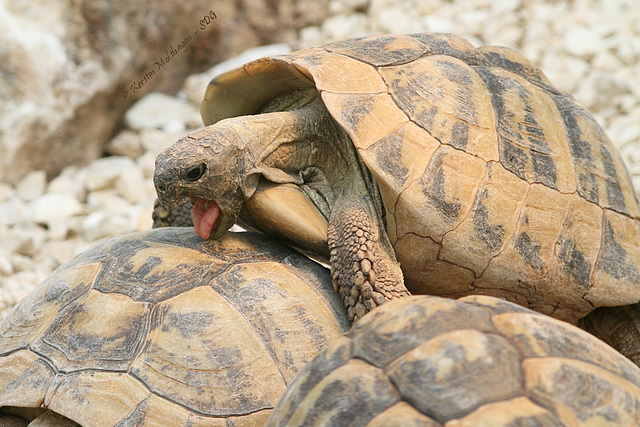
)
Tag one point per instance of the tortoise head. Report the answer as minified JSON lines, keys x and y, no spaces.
{"x":207,"y":166}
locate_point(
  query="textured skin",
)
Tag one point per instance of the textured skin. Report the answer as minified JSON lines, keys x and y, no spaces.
{"x":477,"y":361}
{"x":179,"y":216}
{"x":162,"y":326}
{"x":493,"y":181}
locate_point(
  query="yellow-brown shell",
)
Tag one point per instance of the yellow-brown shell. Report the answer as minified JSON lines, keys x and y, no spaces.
{"x":477,"y":361}
{"x":494,"y":182}
{"x":163,"y":327}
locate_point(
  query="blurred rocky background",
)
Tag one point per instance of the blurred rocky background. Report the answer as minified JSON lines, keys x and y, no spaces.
{"x":82,"y":116}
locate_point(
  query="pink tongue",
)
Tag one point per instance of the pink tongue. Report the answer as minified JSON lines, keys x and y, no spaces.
{"x":205,"y":213}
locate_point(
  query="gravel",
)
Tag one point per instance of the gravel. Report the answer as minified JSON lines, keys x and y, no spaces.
{"x":590,"y":48}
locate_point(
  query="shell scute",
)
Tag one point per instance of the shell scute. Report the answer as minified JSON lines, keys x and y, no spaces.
{"x":446,"y":98}
{"x":380,"y":50}
{"x":341,"y":74}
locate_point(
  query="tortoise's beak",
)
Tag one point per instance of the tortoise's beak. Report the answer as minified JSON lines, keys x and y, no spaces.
{"x":168,"y":195}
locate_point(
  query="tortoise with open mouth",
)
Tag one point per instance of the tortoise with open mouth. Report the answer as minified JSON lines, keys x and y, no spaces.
{"x":419,"y":163}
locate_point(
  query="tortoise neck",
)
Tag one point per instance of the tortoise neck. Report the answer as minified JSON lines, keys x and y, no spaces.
{"x":296,"y":140}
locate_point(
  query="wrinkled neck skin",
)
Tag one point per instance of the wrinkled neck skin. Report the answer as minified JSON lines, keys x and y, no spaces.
{"x":295,"y":140}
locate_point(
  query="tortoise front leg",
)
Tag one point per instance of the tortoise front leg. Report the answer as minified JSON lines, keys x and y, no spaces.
{"x":363,"y":264}
{"x":617,"y":326}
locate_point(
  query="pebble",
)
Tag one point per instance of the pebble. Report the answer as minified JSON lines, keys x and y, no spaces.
{"x":32,"y":185}
{"x":589,"y":48}
{"x":104,"y":172}
{"x":126,"y":143}
{"x":160,"y":111}
{"x":54,"y":206}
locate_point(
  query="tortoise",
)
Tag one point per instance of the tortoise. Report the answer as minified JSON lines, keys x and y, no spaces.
{"x":476,"y":361}
{"x":419,"y":163}
{"x":161,"y":327}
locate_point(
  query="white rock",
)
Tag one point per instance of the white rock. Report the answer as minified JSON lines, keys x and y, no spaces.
{"x":310,"y":37}
{"x":109,"y":224}
{"x":505,"y":5}
{"x":195,"y":85}
{"x":131,"y":184}
{"x":9,"y":242}
{"x":70,"y":181}
{"x":339,"y":27}
{"x":6,"y":269}
{"x":31,"y":239}
{"x":13,"y":211}
{"x":54,"y":206}
{"x":582,"y":42}
{"x":598,"y":90}
{"x":21,"y":262}
{"x":159,"y":111}
{"x":104,"y":172}
{"x":565,"y":72}
{"x":32,"y":185}
{"x":6,"y":192}
{"x":17,"y":286}
{"x":109,"y":199}
{"x":438,"y":24}
{"x":144,"y":220}
{"x":60,"y":251}
{"x":126,"y":143}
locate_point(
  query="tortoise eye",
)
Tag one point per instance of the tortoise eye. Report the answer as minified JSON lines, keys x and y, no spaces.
{"x":196,"y":173}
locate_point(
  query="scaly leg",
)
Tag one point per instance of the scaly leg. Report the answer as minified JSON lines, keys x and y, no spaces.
{"x":363,"y":264}
{"x":617,"y":326}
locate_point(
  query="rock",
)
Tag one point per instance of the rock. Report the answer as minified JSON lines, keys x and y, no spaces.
{"x":61,"y":251}
{"x":54,"y":206}
{"x":126,"y":143}
{"x":16,"y":287}
{"x":160,"y":111}
{"x":70,"y":69}
{"x":582,"y":42}
{"x":13,"y":211}
{"x":598,"y":90}
{"x":564,"y":71}
{"x":6,"y":192}
{"x":109,"y":224}
{"x":32,"y":185}
{"x":103,"y":173}
{"x":107,"y":199}
{"x":21,"y":262}
{"x":6,"y":269}
{"x":70,"y":181}
{"x":339,"y":26}
{"x":195,"y":85}
{"x":132,"y":185}
{"x":30,"y":238}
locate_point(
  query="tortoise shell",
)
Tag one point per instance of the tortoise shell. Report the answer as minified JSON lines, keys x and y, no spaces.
{"x":162,"y":327}
{"x":477,"y":361}
{"x":493,"y":181}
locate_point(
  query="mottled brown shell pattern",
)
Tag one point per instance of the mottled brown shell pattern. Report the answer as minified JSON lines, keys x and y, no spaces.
{"x":163,"y":327}
{"x":494,"y":182}
{"x":477,"y":361}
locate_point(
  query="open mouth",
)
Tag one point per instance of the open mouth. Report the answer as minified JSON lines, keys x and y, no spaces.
{"x":205,"y":213}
